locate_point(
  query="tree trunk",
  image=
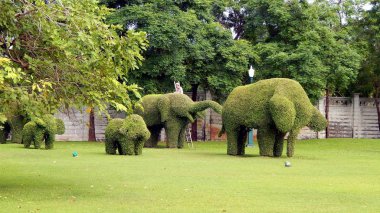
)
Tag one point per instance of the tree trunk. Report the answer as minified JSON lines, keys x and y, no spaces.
{"x":194,"y":94}
{"x":327,"y":107}
{"x":91,"y":128}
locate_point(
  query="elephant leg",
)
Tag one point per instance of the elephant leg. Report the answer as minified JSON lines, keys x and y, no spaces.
{"x":278,"y":144}
{"x":110,"y":146}
{"x":291,"y":140}
{"x":172,"y":129}
{"x":49,"y":140}
{"x":121,"y":147}
{"x":129,"y":147}
{"x":242,"y":140}
{"x":38,"y":138}
{"x":4,"y":133}
{"x":266,"y":140}
{"x":233,"y":140}
{"x":181,"y":137}
{"x":27,"y":140}
{"x":3,"y":138}
{"x":154,"y":134}
{"x":172,"y":138}
{"x":138,"y":147}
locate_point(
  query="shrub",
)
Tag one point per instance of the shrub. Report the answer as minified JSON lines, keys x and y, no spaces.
{"x":173,"y":112}
{"x":42,"y":130}
{"x":275,"y":107}
{"x":127,"y":136}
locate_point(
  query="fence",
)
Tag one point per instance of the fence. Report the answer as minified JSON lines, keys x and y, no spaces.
{"x":350,"y":117}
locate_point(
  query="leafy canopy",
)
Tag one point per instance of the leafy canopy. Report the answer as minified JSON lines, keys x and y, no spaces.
{"x":63,"y":54}
{"x":298,"y":40}
{"x":187,"y":44}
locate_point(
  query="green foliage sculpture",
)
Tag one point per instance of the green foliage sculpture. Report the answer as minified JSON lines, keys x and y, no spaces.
{"x":126,"y":135}
{"x":42,"y":129}
{"x":275,"y":107}
{"x":173,"y":112}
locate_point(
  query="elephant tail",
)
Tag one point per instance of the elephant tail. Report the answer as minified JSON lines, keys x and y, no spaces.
{"x":222,"y":131}
{"x":202,"y":105}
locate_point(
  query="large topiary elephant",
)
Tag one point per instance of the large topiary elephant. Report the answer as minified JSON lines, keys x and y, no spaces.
{"x":173,"y":112}
{"x":126,"y":135}
{"x":275,"y":107}
{"x":42,"y":129}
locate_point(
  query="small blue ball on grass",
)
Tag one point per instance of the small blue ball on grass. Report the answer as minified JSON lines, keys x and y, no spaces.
{"x":75,"y":154}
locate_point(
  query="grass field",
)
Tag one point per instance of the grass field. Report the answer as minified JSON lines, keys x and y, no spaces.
{"x":335,"y":175}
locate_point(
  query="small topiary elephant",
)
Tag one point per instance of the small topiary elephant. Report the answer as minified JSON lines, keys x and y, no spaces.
{"x":126,"y":135}
{"x":275,"y":107}
{"x":172,"y":111}
{"x":42,"y":129}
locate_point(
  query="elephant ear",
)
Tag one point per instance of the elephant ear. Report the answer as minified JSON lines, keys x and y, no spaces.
{"x":163,"y":105}
{"x":60,"y":126}
{"x":283,"y":112}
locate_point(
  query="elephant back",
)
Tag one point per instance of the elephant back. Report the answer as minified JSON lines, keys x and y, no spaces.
{"x":50,"y":123}
{"x":112,"y":129}
{"x":180,"y":104}
{"x":135,"y":128}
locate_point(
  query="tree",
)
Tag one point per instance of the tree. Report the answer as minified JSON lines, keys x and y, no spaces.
{"x":301,"y":41}
{"x":368,"y":30}
{"x":63,"y":54}
{"x":186,"y":45}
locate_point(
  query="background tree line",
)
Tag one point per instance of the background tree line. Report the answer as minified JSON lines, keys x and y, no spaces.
{"x":329,"y":46}
{"x":79,"y":53}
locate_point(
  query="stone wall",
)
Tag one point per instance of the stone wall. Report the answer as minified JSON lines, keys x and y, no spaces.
{"x":349,"y":117}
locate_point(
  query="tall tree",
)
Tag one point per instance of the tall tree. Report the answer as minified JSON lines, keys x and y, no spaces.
{"x":66,"y":56}
{"x":368,"y":30}
{"x":186,"y":45}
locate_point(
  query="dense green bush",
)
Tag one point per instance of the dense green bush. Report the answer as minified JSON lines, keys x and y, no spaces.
{"x":275,"y":107}
{"x":173,"y":112}
{"x":42,"y":130}
{"x":126,"y":135}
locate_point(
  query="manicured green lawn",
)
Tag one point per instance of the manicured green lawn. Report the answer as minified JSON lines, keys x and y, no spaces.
{"x":336,"y":175}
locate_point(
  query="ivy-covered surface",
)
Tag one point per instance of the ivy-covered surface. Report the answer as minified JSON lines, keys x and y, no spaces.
{"x":173,"y":112}
{"x":127,"y":136}
{"x":41,"y":130}
{"x":275,"y":107}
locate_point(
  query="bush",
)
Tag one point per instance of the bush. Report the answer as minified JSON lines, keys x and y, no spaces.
{"x":173,"y":112}
{"x":275,"y":107}
{"x":127,"y":136}
{"x":42,"y":130}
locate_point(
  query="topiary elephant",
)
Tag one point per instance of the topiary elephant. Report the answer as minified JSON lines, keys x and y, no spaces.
{"x":275,"y":107}
{"x":172,"y":111}
{"x":126,"y":135}
{"x":13,"y":125}
{"x":42,"y":129}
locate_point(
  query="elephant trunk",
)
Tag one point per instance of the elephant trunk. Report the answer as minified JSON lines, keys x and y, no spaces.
{"x":202,"y":105}
{"x":317,"y":121}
